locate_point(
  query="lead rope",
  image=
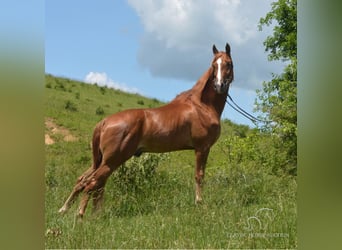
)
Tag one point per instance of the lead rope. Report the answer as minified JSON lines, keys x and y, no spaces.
{"x":245,"y":113}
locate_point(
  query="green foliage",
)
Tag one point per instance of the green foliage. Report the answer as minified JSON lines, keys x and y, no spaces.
{"x":138,"y":172}
{"x":103,"y":90}
{"x":257,"y":149}
{"x":69,"y":105}
{"x":278,"y":97}
{"x":99,"y":110}
{"x":278,"y":100}
{"x":140,"y":102}
{"x":134,"y":181}
{"x":282,"y":44}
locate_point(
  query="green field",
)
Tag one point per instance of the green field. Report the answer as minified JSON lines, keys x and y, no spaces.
{"x":249,"y":196}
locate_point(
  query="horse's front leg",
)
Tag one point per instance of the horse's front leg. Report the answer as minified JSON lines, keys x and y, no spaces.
{"x":201,"y":160}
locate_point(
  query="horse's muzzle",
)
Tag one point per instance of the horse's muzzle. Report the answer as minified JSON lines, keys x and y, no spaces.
{"x":222,"y":87}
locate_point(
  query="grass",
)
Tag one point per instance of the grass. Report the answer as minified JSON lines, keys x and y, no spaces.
{"x":150,"y":203}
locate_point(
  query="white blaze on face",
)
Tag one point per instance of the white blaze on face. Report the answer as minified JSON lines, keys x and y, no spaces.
{"x":218,"y":77}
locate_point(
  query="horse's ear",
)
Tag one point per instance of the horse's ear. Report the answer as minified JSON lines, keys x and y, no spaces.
{"x":215,"y":50}
{"x":227,"y":49}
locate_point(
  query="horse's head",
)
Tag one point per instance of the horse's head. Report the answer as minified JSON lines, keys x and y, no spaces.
{"x":222,"y":65}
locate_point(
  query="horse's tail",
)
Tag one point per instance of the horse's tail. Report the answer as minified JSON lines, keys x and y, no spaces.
{"x":97,"y":154}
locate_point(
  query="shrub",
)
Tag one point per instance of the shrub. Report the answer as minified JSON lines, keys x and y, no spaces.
{"x":137,"y":184}
{"x":69,"y":105}
{"x":155,"y":100}
{"x":263,"y":150}
{"x":99,"y":110}
{"x":60,"y":85}
{"x":138,"y":172}
{"x":140,"y":102}
{"x":103,"y":90}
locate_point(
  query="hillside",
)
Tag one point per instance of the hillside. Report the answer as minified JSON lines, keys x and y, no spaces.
{"x":249,"y":199}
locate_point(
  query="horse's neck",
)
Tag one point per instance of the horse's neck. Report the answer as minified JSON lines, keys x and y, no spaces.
{"x":207,"y":95}
{"x":202,"y":82}
{"x":203,"y":92}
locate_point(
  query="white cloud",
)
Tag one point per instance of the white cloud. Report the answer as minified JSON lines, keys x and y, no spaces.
{"x":102,"y":79}
{"x":179,"y":35}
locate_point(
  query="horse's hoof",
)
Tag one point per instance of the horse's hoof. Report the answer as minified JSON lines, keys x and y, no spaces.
{"x":198,"y":201}
{"x":80,"y":217}
{"x":62,"y":210}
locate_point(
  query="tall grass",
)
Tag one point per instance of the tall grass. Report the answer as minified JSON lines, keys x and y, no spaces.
{"x":149,"y":201}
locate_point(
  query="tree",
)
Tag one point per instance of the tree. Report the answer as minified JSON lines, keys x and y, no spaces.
{"x":278,"y":98}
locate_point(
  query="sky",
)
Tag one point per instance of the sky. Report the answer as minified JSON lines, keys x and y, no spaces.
{"x":158,"y":48}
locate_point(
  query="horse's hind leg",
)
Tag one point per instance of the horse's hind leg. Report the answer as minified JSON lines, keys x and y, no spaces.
{"x":95,"y":188}
{"x":116,"y":152}
{"x":98,"y":199}
{"x":80,"y":184}
{"x":97,"y":196}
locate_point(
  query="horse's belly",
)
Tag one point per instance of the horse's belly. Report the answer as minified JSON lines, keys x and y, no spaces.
{"x":166,"y":142}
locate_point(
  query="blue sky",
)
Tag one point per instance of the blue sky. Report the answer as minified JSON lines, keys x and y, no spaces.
{"x":157,"y":48}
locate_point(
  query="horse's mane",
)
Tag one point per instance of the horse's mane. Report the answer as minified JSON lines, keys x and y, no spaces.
{"x":197,"y":89}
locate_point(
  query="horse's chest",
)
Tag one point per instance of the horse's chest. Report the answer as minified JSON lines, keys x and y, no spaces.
{"x":207,"y":131}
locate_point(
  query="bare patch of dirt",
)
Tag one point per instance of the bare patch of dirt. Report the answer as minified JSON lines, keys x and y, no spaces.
{"x":54,"y":129}
{"x":48,"y":140}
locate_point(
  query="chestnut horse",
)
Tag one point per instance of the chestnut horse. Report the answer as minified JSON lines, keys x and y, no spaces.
{"x":190,"y":121}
